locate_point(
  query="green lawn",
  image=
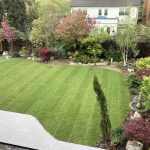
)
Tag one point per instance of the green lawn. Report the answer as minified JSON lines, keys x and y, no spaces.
{"x":62,"y":97}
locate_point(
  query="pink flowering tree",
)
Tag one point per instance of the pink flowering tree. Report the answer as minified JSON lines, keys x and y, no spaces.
{"x":74,"y":28}
{"x":8,"y":33}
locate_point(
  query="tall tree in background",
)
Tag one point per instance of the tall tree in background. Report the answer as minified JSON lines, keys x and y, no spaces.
{"x":1,"y":10}
{"x":15,"y":10}
{"x":105,"y":124}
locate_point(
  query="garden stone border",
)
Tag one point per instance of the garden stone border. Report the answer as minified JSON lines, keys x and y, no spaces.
{"x":25,"y":131}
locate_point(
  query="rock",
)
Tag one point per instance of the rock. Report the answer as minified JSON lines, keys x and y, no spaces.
{"x":136,"y":115}
{"x":29,"y":58}
{"x":130,"y":70}
{"x":134,"y":145}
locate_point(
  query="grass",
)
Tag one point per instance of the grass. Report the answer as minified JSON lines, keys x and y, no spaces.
{"x":62,"y":97}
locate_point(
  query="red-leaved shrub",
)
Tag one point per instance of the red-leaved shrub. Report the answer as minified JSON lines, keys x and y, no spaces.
{"x":143,"y":72}
{"x":138,"y":130}
{"x":44,"y":54}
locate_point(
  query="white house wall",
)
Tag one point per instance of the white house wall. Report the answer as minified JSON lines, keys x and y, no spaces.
{"x":113,"y":12}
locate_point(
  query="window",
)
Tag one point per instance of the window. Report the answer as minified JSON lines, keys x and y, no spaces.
{"x":106,"y":12}
{"x":100,"y":12}
{"x":121,"y":12}
{"x":85,"y":12}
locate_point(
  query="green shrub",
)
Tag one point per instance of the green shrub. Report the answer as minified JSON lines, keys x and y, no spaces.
{"x":116,"y":136}
{"x":113,"y":53}
{"x":133,"y":83}
{"x":24,"y":52}
{"x":35,"y":53}
{"x":143,"y":63}
{"x":145,"y":91}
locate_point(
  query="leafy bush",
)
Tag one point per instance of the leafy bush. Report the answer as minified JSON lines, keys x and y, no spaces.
{"x":143,"y":72}
{"x":35,"y":53}
{"x":113,"y":53}
{"x":24,"y":52}
{"x":138,"y":130}
{"x":145,"y":91}
{"x":133,"y":83}
{"x":44,"y":53}
{"x":59,"y":54}
{"x":143,"y":63}
{"x":116,"y":136}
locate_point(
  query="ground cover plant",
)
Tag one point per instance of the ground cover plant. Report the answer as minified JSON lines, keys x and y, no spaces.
{"x":62,"y":97}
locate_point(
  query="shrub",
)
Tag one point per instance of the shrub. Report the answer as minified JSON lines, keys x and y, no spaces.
{"x":113,"y":53}
{"x":133,"y":83}
{"x":24,"y":52}
{"x":35,"y":53}
{"x":138,"y":130}
{"x":145,"y":91}
{"x":143,"y":72}
{"x":143,"y":63}
{"x":116,"y":136}
{"x":44,"y":54}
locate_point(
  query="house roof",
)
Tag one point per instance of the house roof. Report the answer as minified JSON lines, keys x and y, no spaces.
{"x":104,"y":3}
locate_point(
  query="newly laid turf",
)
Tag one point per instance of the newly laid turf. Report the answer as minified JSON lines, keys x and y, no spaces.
{"x":62,"y":97}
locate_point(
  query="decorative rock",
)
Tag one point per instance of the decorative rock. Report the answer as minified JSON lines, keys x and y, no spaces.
{"x":134,"y":145}
{"x":29,"y":58}
{"x":130,"y":70}
{"x":136,"y":115}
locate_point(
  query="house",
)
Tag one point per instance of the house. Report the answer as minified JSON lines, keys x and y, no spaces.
{"x":109,"y":14}
{"x":147,"y":10}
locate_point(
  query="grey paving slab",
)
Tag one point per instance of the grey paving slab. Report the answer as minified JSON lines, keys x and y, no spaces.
{"x":26,"y":131}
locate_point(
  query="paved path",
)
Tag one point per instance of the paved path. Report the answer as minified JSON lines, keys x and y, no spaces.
{"x":26,"y":131}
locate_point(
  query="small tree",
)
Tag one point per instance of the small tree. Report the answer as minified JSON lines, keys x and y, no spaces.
{"x":127,"y":40}
{"x":8,"y":33}
{"x":105,"y":124}
{"x":74,"y":28}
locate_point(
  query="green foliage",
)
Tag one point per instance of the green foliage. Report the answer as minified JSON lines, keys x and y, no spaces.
{"x":16,"y":12}
{"x":145,"y":91}
{"x":143,"y":63}
{"x":92,"y":47}
{"x":1,"y":35}
{"x":113,"y":53}
{"x":105,"y":124}
{"x":1,"y":10}
{"x":133,"y":83}
{"x":116,"y":136}
{"x":35,"y":53}
{"x":42,"y":33}
{"x":24,"y":52}
{"x":127,"y":40}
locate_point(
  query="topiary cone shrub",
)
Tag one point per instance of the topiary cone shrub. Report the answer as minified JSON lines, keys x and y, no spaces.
{"x":105,"y":124}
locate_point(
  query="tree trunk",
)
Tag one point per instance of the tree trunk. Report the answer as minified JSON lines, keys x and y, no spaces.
{"x":11,"y":48}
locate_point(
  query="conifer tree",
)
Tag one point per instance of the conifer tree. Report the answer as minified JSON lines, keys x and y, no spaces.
{"x":105,"y":124}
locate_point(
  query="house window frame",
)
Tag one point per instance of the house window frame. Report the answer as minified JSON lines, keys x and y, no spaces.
{"x":100,"y":12}
{"x":106,"y":12}
{"x":124,"y":12}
